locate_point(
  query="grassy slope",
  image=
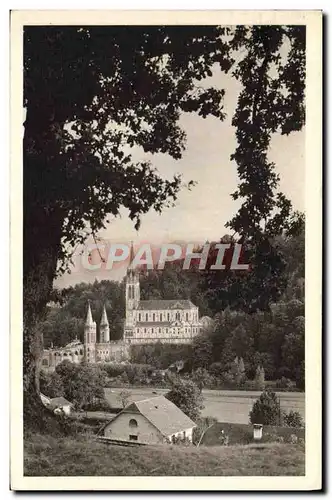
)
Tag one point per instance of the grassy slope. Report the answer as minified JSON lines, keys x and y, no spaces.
{"x":82,"y":456}
{"x":243,"y":433}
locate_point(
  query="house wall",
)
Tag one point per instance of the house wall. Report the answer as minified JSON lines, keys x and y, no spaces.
{"x":188,"y":433}
{"x":145,"y":431}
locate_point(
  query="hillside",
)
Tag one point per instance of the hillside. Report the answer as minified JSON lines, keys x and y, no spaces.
{"x":82,"y":456}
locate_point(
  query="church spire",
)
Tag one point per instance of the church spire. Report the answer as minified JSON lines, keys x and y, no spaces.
{"x":104,"y":320}
{"x":131,"y":258}
{"x":89,"y":320}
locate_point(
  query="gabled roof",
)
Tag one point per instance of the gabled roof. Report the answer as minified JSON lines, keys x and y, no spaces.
{"x":160,"y":304}
{"x":60,"y":401}
{"x":162,"y":413}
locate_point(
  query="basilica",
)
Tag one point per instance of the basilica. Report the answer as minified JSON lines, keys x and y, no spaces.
{"x":166,"y":321}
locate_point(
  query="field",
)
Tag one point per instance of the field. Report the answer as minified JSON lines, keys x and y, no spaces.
{"x":225,"y":406}
{"x":82,"y":456}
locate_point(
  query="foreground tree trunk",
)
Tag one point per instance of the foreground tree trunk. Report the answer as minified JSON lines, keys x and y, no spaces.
{"x":42,"y":225}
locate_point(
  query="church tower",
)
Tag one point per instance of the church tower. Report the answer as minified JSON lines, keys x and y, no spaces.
{"x":104,"y":328}
{"x":132,"y":296}
{"x":132,"y":285}
{"x":90,"y":338}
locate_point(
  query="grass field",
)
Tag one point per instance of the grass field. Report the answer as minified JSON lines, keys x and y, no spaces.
{"x":225,"y":406}
{"x":83,"y":456}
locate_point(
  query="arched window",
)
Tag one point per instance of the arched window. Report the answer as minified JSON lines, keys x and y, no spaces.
{"x":133,"y":423}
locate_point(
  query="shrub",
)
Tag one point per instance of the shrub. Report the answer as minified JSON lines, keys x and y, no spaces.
{"x":266,"y":410}
{"x":293,"y":419}
{"x":284,"y":383}
{"x":260,"y":378}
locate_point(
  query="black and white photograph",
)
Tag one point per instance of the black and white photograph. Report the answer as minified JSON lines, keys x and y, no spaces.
{"x":168,"y":323}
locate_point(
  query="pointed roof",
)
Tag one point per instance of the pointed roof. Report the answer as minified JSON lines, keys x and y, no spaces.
{"x":131,"y":252}
{"x":104,"y":320}
{"x":89,"y":320}
{"x":130,"y":270}
{"x":162,"y":413}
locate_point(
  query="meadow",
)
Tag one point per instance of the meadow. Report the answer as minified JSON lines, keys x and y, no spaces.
{"x":80,"y":455}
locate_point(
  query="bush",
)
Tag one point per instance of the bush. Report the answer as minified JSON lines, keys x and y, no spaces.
{"x":293,"y":419}
{"x":284,"y":383}
{"x":266,"y":410}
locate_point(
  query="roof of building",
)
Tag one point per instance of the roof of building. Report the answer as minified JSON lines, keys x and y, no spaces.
{"x":159,"y":304}
{"x":162,"y":413}
{"x":60,"y":401}
{"x":104,"y":320}
{"x":89,"y":320}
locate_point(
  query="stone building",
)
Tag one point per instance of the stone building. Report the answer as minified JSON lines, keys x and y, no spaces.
{"x":166,"y":321}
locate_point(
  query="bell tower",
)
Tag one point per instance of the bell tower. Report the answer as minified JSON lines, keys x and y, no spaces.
{"x":90,"y":338}
{"x":132,"y":285}
{"x":104,"y":328}
{"x":132,"y":297}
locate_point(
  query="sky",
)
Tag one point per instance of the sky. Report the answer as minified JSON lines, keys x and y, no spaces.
{"x":201,"y":214}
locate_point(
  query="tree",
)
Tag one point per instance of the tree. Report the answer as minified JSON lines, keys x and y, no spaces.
{"x":266,"y":409}
{"x":51,"y":384}
{"x":90,"y":92}
{"x":187,"y":396}
{"x":124,"y":397}
{"x":83,"y":384}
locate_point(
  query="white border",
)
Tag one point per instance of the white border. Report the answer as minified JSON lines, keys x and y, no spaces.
{"x":312,"y":480}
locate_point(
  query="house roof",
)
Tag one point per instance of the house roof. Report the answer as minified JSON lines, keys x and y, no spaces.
{"x":60,"y":401}
{"x":159,"y":304}
{"x":162,"y":413}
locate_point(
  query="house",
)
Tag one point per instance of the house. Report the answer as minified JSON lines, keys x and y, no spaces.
{"x":60,"y":404}
{"x":150,"y":421}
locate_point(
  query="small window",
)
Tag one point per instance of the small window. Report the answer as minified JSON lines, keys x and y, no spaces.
{"x":161,"y":317}
{"x":132,"y":437}
{"x":133,"y":422}
{"x":45,"y":362}
{"x":153,"y":317}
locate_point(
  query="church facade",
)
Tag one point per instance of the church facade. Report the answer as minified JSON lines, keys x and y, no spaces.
{"x":166,"y":321}
{"x":146,"y":321}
